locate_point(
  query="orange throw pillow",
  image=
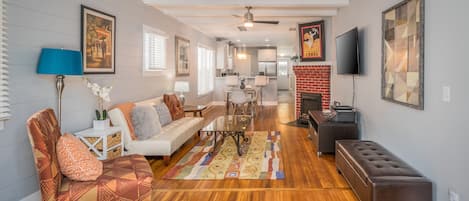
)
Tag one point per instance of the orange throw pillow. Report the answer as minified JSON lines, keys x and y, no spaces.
{"x":126,"y":109}
{"x":75,"y":161}
{"x":175,"y":107}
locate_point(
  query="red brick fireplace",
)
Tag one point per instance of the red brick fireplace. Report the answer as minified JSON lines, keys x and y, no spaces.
{"x":313,"y":79}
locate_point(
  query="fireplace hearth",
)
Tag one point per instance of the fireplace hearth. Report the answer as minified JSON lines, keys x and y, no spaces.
{"x":309,"y":101}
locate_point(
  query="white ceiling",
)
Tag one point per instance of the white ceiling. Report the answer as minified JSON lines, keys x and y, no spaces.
{"x":215,"y":18}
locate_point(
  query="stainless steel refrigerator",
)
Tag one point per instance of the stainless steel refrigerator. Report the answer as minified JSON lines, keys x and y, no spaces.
{"x":268,"y":68}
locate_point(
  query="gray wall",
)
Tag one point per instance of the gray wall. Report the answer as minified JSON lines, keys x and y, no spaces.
{"x":434,"y":140}
{"x":56,"y":23}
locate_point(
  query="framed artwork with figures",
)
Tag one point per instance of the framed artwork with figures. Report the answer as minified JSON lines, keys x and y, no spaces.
{"x":312,"y":41}
{"x":98,"y":41}
{"x":182,"y":56}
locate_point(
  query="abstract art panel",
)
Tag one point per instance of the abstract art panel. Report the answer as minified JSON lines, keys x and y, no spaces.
{"x":403,"y":50}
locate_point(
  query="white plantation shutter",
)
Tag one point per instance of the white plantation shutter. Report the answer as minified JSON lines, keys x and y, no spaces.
{"x":154,"y":50}
{"x":4,"y":100}
{"x":206,"y":69}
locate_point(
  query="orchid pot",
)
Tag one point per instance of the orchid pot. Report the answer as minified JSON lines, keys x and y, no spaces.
{"x":101,"y":124}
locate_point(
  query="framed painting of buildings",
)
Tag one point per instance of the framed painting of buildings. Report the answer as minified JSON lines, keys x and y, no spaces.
{"x":98,"y":41}
{"x":403,"y":54}
{"x":182,"y":56}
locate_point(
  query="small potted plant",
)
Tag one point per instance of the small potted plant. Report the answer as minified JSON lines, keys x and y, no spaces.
{"x":295,"y":59}
{"x":102,"y":93}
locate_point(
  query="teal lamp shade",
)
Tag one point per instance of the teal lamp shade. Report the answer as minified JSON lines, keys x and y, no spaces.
{"x":60,"y":62}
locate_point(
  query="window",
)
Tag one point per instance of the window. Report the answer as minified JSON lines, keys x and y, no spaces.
{"x":206,"y":70}
{"x":4,"y":100}
{"x":154,"y":50}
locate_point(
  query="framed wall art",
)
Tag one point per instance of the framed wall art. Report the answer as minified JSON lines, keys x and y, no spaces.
{"x":312,"y":41}
{"x":403,"y":54}
{"x":98,"y":41}
{"x":182,"y":56}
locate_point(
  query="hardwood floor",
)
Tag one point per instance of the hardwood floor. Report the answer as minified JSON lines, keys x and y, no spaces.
{"x":307,"y":176}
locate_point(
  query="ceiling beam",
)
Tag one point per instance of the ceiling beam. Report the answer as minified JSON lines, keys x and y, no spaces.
{"x":284,"y":21}
{"x":322,"y":12}
{"x":253,"y":3}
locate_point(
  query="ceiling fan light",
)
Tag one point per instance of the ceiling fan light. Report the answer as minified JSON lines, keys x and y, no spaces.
{"x":248,"y":24}
{"x":242,"y":56}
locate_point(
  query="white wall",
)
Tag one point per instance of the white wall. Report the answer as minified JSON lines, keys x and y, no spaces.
{"x":36,"y":24}
{"x":434,"y":140}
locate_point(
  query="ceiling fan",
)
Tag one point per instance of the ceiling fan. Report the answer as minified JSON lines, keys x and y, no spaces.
{"x":248,"y":20}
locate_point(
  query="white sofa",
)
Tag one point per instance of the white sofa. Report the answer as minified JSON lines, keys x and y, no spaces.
{"x":170,"y":139}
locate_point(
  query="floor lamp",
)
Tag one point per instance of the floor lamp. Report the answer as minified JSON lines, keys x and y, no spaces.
{"x":60,"y":62}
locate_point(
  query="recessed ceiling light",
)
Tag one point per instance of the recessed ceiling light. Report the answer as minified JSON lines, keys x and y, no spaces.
{"x":239,"y":40}
{"x":268,"y":45}
{"x":267,"y":40}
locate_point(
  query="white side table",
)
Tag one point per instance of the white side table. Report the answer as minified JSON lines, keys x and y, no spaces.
{"x":105,"y":144}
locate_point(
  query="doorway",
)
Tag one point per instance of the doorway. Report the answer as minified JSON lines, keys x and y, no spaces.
{"x":285,"y":92}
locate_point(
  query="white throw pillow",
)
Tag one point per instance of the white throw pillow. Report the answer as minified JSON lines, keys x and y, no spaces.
{"x":146,"y":122}
{"x":163,"y":114}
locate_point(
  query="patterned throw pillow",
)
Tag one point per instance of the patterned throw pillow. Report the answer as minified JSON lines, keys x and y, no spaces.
{"x":126,"y":109}
{"x":174,"y":105}
{"x":146,"y":122}
{"x":163,"y":113}
{"x":75,"y":161}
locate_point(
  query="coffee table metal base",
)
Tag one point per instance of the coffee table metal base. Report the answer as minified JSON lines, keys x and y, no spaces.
{"x":237,"y":136}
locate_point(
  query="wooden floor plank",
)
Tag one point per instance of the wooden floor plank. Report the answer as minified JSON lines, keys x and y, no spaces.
{"x":307,"y":176}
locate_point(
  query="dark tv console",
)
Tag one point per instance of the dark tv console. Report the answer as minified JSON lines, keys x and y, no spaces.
{"x":324,"y":132}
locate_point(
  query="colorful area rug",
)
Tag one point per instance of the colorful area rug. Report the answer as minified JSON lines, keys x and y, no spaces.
{"x":261,"y":159}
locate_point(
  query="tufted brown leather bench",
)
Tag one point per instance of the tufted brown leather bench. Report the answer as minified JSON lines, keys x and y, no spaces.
{"x":375,"y":174}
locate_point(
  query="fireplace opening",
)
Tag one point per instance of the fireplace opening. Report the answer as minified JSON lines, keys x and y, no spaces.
{"x":309,"y":101}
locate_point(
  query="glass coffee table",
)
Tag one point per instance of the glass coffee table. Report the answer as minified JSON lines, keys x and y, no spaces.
{"x":233,"y":126}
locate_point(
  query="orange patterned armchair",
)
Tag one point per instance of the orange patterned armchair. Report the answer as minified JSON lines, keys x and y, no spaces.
{"x":124,"y":178}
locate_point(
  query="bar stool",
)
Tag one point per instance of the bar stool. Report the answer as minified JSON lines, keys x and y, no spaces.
{"x":252,"y":100}
{"x":261,"y":81}
{"x":231,"y":82}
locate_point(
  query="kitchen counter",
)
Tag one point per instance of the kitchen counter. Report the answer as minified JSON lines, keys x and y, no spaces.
{"x":269,"y":92}
{"x":250,"y":77}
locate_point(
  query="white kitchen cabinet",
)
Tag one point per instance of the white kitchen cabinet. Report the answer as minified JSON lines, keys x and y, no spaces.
{"x":224,"y":56}
{"x":221,"y":56}
{"x":267,"y":55}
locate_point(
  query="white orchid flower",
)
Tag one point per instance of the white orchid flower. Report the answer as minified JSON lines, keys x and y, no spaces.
{"x":106,"y":98}
{"x":95,"y":91}
{"x":95,"y":86}
{"x":102,"y":93}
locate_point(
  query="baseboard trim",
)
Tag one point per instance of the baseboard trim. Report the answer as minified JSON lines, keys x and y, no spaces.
{"x":270,"y":103}
{"x":36,"y":196}
{"x":217,"y":103}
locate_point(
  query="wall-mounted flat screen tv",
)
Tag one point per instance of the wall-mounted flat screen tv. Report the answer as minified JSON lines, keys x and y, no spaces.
{"x":348,"y":53}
